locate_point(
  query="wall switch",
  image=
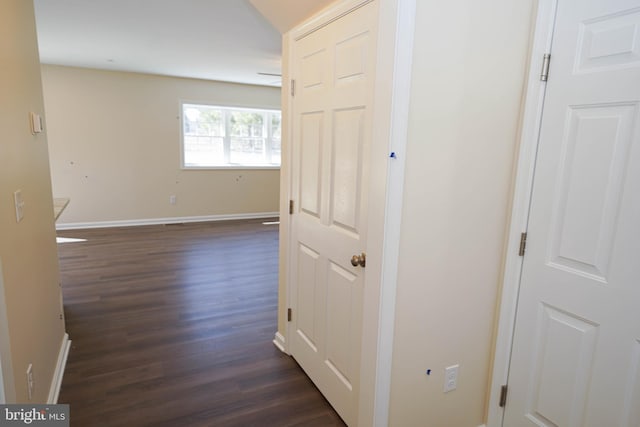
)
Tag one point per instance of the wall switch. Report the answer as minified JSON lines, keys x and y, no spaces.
{"x":19,"y":203}
{"x":30,"y":382}
{"x":36,"y":123}
{"x":451,"y":378}
{"x":172,"y":200}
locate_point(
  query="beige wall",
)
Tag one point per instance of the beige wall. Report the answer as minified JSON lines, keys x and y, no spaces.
{"x":27,"y":249}
{"x":114,"y":143}
{"x":469,"y":67}
{"x":285,"y":14}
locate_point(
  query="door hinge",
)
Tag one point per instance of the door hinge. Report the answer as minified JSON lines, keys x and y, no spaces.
{"x":544,"y":74}
{"x":503,"y":396}
{"x":289,"y":314}
{"x":290,"y":207}
{"x":523,"y":244}
{"x":293,"y":87}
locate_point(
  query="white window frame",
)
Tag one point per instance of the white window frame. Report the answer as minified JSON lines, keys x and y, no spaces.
{"x":268,"y":114}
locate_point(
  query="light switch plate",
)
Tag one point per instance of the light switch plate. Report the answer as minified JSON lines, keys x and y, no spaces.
{"x":19,"y":203}
{"x":36,"y":123}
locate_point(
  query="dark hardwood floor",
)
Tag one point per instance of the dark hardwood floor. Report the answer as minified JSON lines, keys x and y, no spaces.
{"x":172,"y":326}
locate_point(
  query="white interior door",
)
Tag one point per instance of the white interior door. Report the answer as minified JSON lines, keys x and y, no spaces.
{"x":333,"y":68}
{"x":576,"y":348}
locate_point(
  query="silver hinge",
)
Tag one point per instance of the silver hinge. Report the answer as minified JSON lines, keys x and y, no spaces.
{"x":544,"y":74}
{"x":290,"y":207}
{"x":293,"y":87}
{"x":289,"y":314}
{"x":503,"y":396}
{"x":523,"y":244}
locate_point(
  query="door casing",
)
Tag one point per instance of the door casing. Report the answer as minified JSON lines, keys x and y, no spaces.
{"x":391,"y":100}
{"x":7,"y":388}
{"x":529,"y":131}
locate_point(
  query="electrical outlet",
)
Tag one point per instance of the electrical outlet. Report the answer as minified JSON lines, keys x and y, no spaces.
{"x":30,"y":381}
{"x":451,"y":378}
{"x":172,"y":200}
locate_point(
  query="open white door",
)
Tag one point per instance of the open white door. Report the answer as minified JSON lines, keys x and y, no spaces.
{"x":333,"y":68}
{"x":576,"y":347}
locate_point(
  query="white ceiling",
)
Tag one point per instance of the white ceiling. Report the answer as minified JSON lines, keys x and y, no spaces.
{"x":227,"y":40}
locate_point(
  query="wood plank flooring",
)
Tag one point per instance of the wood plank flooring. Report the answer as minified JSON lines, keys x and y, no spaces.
{"x":172,"y":326}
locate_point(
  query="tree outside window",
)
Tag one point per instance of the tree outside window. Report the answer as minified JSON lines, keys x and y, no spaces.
{"x":214,"y":136}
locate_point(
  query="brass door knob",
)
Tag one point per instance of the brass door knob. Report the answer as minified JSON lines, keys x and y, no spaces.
{"x":359,"y":260}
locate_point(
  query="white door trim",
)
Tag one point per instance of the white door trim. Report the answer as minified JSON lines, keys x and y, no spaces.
{"x":7,"y":388}
{"x":391,"y":122}
{"x":532,"y":116}
{"x":391,"y":105}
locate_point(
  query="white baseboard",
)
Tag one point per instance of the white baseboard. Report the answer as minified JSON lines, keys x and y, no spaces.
{"x":157,"y":221}
{"x":56,"y":382}
{"x":279,"y":341}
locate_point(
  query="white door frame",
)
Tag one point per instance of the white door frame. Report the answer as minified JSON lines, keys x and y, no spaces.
{"x":530,"y":130}
{"x":7,"y":388}
{"x":3,"y":321}
{"x":394,"y":52}
{"x":390,"y":129}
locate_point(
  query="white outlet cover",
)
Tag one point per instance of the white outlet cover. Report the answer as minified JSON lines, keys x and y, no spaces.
{"x":451,"y":378}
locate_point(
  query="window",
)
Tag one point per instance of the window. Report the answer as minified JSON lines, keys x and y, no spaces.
{"x":226,"y":137}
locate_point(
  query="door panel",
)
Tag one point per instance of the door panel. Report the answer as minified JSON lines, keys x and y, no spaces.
{"x":312,"y":68}
{"x":562,"y":366}
{"x":310,"y":169}
{"x":575,"y":356}
{"x":331,"y":134}
{"x":610,"y":41}
{"x":341,"y":292}
{"x":308,"y":261}
{"x":346,"y":169}
{"x":591,"y":178}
